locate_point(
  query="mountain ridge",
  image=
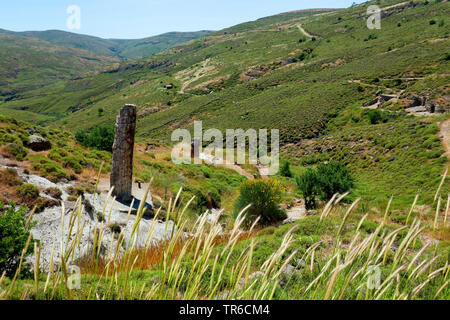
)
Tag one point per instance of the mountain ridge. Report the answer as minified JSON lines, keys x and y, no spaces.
{"x":123,"y":49}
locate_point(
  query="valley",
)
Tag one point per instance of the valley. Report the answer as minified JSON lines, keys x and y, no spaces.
{"x":364,"y":126}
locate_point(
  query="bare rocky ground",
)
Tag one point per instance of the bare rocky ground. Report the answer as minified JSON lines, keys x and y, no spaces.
{"x":53,"y":225}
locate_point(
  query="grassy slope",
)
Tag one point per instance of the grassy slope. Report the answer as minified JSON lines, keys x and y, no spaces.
{"x":30,"y":64}
{"x":36,"y":63}
{"x":125,"y":49}
{"x":68,"y":160}
{"x":299,"y":98}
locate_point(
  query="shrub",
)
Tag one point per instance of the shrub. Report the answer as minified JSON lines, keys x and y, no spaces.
{"x":75,"y":191}
{"x":101,"y":137}
{"x":115,"y":228}
{"x":432,"y":22}
{"x":50,"y":169}
{"x":334,"y":178}
{"x":308,"y":183}
{"x":9,"y":177}
{"x":265,"y":197}
{"x":100,"y":217}
{"x":325,"y":181}
{"x":371,"y":37}
{"x":13,"y":237}
{"x":16,"y":150}
{"x":375,"y":116}
{"x":74,"y":163}
{"x":54,"y":193}
{"x":72,"y":198}
{"x":28,"y":191}
{"x":57,"y":154}
{"x":285,"y":169}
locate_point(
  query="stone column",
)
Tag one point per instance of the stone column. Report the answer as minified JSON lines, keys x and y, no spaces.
{"x":123,"y":147}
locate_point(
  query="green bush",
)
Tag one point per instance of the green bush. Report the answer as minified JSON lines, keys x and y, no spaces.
{"x":334,"y":178}
{"x":325,"y":181}
{"x":50,"y":169}
{"x":285,"y":170}
{"x":54,"y":192}
{"x":18,"y":151}
{"x":376,"y":116}
{"x":265,"y":197}
{"x":308,"y":183}
{"x":57,"y":154}
{"x":76,"y":163}
{"x":13,"y":237}
{"x":101,"y":137}
{"x":28,"y":191}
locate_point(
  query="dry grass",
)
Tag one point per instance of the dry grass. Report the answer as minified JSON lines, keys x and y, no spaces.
{"x":342,"y":274}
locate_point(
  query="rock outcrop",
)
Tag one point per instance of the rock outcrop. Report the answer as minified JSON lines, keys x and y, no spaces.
{"x":53,"y":234}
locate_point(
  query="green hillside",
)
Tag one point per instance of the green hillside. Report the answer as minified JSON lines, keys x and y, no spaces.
{"x":119,"y":48}
{"x":28,"y":64}
{"x":141,"y":48}
{"x":299,"y":72}
{"x":33,"y":60}
{"x":359,"y":209}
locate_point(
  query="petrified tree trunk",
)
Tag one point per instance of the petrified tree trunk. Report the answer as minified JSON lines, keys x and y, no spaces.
{"x":122,"y":162}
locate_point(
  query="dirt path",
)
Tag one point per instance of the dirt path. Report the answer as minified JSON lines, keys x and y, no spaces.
{"x":296,"y":212}
{"x":263,"y":171}
{"x":197,"y":74}
{"x":300,"y":27}
{"x":220,"y":162}
{"x":239,"y":170}
{"x":395,"y":5}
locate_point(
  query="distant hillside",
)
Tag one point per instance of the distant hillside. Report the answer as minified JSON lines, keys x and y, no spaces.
{"x":28,"y":64}
{"x":141,"y":48}
{"x":270,"y":72}
{"x":305,"y":73}
{"x":123,"y":49}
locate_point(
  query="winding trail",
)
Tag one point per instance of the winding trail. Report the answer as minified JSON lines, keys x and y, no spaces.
{"x":302,"y":30}
{"x":197,"y":74}
{"x":297,"y":212}
{"x":221,"y":162}
{"x":395,"y":5}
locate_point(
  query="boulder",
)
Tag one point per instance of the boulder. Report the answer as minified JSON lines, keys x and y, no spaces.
{"x":38,"y":143}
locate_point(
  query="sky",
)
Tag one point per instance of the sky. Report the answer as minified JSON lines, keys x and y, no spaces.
{"x":133,"y":19}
